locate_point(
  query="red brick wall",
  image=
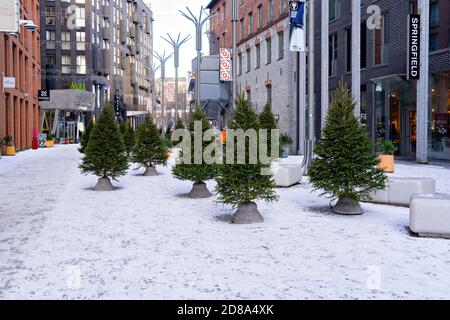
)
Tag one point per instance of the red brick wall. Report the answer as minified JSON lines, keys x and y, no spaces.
{"x":20,"y":57}
{"x":222,"y":29}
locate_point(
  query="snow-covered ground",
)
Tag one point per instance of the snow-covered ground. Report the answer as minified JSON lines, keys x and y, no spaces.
{"x":58,"y":239}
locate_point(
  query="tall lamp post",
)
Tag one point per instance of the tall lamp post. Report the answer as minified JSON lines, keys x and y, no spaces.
{"x":176,"y":44}
{"x":198,"y":22}
{"x":153,"y":68}
{"x":234,"y":20}
{"x":162,"y":62}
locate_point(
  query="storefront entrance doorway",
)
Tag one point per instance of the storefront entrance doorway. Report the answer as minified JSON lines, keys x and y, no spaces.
{"x":408,"y":140}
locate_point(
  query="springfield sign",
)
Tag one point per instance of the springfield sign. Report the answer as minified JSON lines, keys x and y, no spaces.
{"x":10,"y":10}
{"x":413,"y":63}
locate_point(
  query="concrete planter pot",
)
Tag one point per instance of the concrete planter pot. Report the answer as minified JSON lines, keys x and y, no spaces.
{"x":104,"y":184}
{"x":199,"y":190}
{"x":150,"y":172}
{"x":386,"y":163}
{"x":49,"y":144}
{"x":247,"y":213}
{"x":347,"y":207}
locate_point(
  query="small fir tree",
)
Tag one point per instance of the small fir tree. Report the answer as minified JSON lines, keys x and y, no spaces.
{"x":345,"y":167}
{"x":85,"y":136}
{"x":105,"y":153}
{"x":240,"y":184}
{"x":197,"y":173}
{"x":122,"y":128}
{"x":129,"y":138}
{"x":149,"y":149}
{"x":267,"y":121}
{"x":179,"y":124}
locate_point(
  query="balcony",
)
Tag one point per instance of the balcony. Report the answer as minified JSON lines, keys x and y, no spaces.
{"x":106,"y":61}
{"x":135,"y":16}
{"x":123,"y":60}
{"x":106,"y":33}
{"x":132,"y":32}
{"x":133,"y":74}
{"x":132,"y":49}
{"x":106,"y":11}
{"x":123,"y":31}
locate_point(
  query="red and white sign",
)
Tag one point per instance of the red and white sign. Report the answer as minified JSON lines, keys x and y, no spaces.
{"x":225,"y":65}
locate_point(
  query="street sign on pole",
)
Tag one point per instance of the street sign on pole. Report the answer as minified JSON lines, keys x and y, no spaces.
{"x":10,"y":10}
{"x":297,"y":41}
{"x":225,"y":65}
{"x":43,"y":95}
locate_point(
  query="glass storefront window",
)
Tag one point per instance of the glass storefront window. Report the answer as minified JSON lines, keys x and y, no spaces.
{"x":440,"y":116}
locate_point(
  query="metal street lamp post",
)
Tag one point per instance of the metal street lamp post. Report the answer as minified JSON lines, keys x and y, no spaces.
{"x":176,"y":44}
{"x":198,"y":22}
{"x":162,"y":62}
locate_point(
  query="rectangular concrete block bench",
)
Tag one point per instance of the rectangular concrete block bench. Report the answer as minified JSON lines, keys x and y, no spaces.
{"x":287,"y":175}
{"x":399,"y":190}
{"x":429,"y":215}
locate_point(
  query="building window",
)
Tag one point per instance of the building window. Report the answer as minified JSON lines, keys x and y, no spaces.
{"x":249,"y":60}
{"x":333,"y":55}
{"x":282,"y":6}
{"x":50,"y":16}
{"x":250,"y":23}
{"x":434,"y":41}
{"x":269,"y":51}
{"x":242,"y":29}
{"x":258,"y":56}
{"x":50,"y":39}
{"x":434,"y":15}
{"x":271,"y":10}
{"x":269,"y":94}
{"x":65,"y":40}
{"x":81,"y":64}
{"x":80,"y":17}
{"x":240,"y":63}
{"x":382,"y":42}
{"x":348,"y":49}
{"x":280,"y":45}
{"x":224,"y":12}
{"x":335,"y":9}
{"x":260,"y":16}
{"x":81,"y":40}
{"x":50,"y":60}
{"x":363,"y":46}
{"x":65,"y":64}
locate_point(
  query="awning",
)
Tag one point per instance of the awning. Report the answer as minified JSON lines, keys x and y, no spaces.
{"x":69,"y":100}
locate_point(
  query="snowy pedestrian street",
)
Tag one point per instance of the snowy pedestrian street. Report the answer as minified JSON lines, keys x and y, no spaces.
{"x":146,"y":240}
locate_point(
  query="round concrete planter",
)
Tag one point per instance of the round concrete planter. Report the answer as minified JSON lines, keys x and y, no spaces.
{"x":150,"y":172}
{"x":49,"y":144}
{"x":199,"y":190}
{"x":247,"y":213}
{"x":104,"y":184}
{"x":347,"y":207}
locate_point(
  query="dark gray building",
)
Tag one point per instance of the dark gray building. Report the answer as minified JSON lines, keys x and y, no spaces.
{"x":388,"y":98}
{"x":103,"y":46}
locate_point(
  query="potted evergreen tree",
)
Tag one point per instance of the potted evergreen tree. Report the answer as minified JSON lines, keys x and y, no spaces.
{"x":197,"y":173}
{"x":239,"y":185}
{"x":267,"y":121}
{"x":149,"y":149}
{"x":105,"y":155}
{"x":85,"y":136}
{"x":50,"y":140}
{"x":387,"y":156}
{"x":345,"y":167}
{"x":129,"y":138}
{"x":8,"y":141}
{"x":285,"y":142}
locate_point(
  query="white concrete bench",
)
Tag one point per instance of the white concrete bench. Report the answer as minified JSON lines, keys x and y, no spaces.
{"x":287,"y":175}
{"x":399,"y":190}
{"x":429,"y":215}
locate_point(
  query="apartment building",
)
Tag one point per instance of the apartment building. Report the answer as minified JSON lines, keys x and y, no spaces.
{"x":104,"y":46}
{"x":20,"y":60}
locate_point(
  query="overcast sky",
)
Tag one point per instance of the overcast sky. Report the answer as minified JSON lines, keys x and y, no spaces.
{"x":169,"y":20}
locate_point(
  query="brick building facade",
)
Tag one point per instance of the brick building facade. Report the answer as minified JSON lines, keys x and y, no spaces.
{"x":20,"y":58}
{"x":265,"y":65}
